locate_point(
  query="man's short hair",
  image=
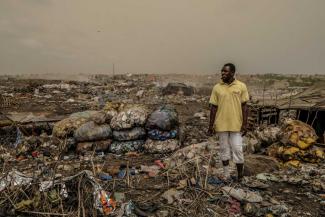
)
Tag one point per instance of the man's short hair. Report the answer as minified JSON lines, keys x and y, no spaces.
{"x":231,"y":66}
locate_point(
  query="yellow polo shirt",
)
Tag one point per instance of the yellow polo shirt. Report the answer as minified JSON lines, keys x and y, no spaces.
{"x":228,"y":98}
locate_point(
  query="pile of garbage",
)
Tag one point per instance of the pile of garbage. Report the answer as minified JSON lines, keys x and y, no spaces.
{"x":86,"y":131}
{"x":121,"y":128}
{"x":129,"y":133}
{"x":162,"y":126}
{"x":297,"y":144}
{"x":261,"y":138}
{"x":292,"y":143}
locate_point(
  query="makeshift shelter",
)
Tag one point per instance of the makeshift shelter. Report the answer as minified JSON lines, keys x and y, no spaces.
{"x":262,"y":115}
{"x":309,"y":106}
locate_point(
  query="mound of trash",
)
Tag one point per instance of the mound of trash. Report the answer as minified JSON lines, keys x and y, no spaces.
{"x":297,"y":144}
{"x":122,"y":128}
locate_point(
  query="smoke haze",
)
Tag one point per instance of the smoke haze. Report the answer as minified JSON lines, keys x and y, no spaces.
{"x":166,"y":36}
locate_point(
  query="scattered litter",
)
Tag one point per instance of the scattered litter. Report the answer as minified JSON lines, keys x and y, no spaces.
{"x":171,"y":195}
{"x":267,"y":177}
{"x":215,"y":181}
{"x":105,"y":203}
{"x":242,"y":195}
{"x":14,"y":178}
{"x":105,"y":176}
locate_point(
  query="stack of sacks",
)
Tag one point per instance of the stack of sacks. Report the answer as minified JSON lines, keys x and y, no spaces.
{"x":66,"y":127}
{"x":297,"y":144}
{"x":129,"y":133}
{"x":92,"y":135}
{"x":87,"y":129}
{"x":162,"y":126}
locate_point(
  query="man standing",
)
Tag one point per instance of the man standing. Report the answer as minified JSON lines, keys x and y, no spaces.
{"x":228,"y":118}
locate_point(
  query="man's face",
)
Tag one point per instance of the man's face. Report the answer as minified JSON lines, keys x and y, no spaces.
{"x":226,"y":74}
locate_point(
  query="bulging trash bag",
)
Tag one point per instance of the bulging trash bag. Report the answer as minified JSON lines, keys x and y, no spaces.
{"x":99,"y":118}
{"x":132,"y":134}
{"x":112,"y":106}
{"x":120,"y":147}
{"x":90,"y":131}
{"x":96,"y":145}
{"x":131,"y":116}
{"x":268,"y":135}
{"x":156,"y":134}
{"x":299,"y":134}
{"x":156,"y":146}
{"x":312,"y":155}
{"x":111,"y":109}
{"x":164,"y":118}
{"x":67,"y":126}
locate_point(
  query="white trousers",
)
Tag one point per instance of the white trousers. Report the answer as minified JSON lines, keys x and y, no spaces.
{"x":231,"y":143}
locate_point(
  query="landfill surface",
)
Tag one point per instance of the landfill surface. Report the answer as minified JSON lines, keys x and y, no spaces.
{"x":137,"y":145}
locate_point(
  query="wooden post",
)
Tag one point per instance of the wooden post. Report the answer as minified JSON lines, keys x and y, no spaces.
{"x":276,"y":97}
{"x":290,"y":99}
{"x":263,"y":92}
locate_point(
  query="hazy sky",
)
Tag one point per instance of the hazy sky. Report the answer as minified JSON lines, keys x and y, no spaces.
{"x":161,"y":36}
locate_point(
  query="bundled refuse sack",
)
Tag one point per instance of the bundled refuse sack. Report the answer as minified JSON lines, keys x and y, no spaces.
{"x":297,"y":144}
{"x":132,"y":134}
{"x":97,"y":146}
{"x":130,"y":117}
{"x":162,"y":126}
{"x":263,"y":136}
{"x":129,"y":133}
{"x":268,"y":135}
{"x":156,"y":134}
{"x":66,"y":127}
{"x":91,"y":131}
{"x":88,"y":130}
{"x":111,"y":109}
{"x":299,"y":134}
{"x":122,"y":147}
{"x":165,"y":118}
{"x":156,"y":146}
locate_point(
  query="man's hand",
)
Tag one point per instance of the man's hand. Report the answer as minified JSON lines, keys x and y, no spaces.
{"x":244,"y":125}
{"x":213,"y":112}
{"x":210,"y":131}
{"x":243,"y":129}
